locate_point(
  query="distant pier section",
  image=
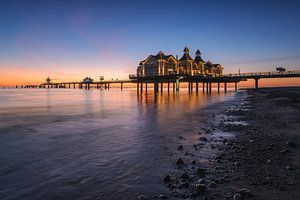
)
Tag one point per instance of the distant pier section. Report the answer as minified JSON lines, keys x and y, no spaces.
{"x":162,"y":71}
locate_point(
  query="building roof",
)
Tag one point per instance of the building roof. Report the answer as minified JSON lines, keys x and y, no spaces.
{"x":160,"y":55}
{"x":198,"y":58}
{"x":209,"y":65}
{"x":186,"y":57}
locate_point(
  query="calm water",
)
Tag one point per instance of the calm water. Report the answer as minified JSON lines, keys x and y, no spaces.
{"x":77,"y":144}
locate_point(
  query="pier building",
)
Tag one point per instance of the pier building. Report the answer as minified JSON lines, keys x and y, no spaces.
{"x":161,"y":64}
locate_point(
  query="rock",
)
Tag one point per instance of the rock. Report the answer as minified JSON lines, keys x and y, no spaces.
{"x":284,"y":151}
{"x":201,"y":181}
{"x":181,"y":138}
{"x":200,"y":188}
{"x":244,"y":192}
{"x":180,"y":162}
{"x":212,"y":185}
{"x":142,"y":197}
{"x":203,"y":139}
{"x":194,"y":162}
{"x":200,"y":171}
{"x":221,"y":180}
{"x":184,"y":175}
{"x":193,"y":195}
{"x":180,"y":148}
{"x":167,"y":178}
{"x":290,"y":144}
{"x":219,"y":156}
{"x":237,"y":197}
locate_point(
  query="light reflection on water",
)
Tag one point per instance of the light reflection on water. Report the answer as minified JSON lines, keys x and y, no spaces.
{"x":77,"y":144}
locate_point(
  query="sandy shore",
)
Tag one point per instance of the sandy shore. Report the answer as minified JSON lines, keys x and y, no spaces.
{"x":255,"y":145}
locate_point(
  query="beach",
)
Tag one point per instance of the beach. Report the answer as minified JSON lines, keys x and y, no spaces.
{"x":254,"y":142}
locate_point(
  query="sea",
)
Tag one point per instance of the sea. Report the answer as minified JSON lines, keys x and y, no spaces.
{"x":95,"y":144}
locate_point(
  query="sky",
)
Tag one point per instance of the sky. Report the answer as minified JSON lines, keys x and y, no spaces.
{"x":69,"y":40}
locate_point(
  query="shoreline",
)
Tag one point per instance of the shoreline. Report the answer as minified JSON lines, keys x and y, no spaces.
{"x":255,"y":143}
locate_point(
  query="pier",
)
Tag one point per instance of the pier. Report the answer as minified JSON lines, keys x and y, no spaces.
{"x":172,"y":82}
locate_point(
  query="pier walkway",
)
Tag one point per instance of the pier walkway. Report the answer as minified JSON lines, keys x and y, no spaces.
{"x":173,"y":81}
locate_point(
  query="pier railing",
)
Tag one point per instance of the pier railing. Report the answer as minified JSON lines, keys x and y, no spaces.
{"x":265,"y":74}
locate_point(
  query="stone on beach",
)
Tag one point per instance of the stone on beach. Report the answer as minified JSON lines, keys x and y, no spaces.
{"x":142,"y":197}
{"x":290,"y":144}
{"x":237,"y":197}
{"x":167,"y":178}
{"x":203,"y":139}
{"x":180,"y":147}
{"x":200,"y":188}
{"x":184,"y":175}
{"x":180,"y":162}
{"x":200,"y":171}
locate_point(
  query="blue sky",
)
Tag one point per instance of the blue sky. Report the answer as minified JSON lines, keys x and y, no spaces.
{"x":77,"y":38}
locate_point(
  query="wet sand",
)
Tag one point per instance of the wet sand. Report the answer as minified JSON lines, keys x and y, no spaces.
{"x":255,"y":151}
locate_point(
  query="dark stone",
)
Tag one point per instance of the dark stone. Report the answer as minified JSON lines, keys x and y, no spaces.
{"x":142,"y":197}
{"x":200,"y":188}
{"x":181,"y":138}
{"x":167,"y":178}
{"x":193,"y":195}
{"x":200,"y":171}
{"x":203,"y":139}
{"x":212,"y":185}
{"x":290,"y":144}
{"x":180,"y":148}
{"x":237,"y":197}
{"x":179,"y":161}
{"x":184,"y":176}
{"x":244,"y":192}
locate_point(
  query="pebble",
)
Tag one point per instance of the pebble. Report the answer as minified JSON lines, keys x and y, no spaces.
{"x":184,"y":175}
{"x":212,"y":185}
{"x":181,"y":137}
{"x":142,"y":197}
{"x":179,"y":161}
{"x":200,"y":171}
{"x":167,"y":178}
{"x":237,"y":197}
{"x":244,"y":192}
{"x":203,"y":139}
{"x":200,"y":188}
{"x":290,"y":144}
{"x":180,"y":148}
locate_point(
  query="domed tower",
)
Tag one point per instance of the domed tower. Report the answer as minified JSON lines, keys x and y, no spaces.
{"x":186,"y":50}
{"x":199,"y":63}
{"x":186,"y":62}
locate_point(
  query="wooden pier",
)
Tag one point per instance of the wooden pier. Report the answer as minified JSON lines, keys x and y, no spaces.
{"x":173,"y":82}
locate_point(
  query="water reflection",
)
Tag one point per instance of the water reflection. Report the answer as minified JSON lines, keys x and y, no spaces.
{"x":77,"y":144}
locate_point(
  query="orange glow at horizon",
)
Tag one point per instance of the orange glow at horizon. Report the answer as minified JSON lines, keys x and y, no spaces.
{"x":12,"y":75}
